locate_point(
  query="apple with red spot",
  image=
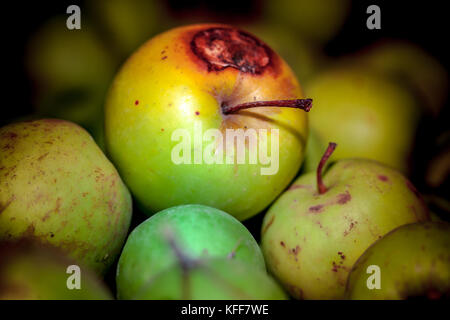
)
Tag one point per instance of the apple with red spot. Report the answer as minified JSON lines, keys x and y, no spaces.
{"x":313,"y":234}
{"x":212,"y":79}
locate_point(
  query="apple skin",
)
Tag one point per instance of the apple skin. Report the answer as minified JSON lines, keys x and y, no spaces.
{"x":310,"y":241}
{"x":212,"y":279}
{"x":414,"y":261}
{"x":201,"y":232}
{"x":29,"y":271}
{"x":58,"y":187}
{"x":164,"y":86}
{"x":314,"y":152}
{"x":367,"y":115}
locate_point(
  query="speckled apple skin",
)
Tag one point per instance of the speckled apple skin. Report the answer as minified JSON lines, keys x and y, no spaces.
{"x":56,"y":185}
{"x":164,"y":86}
{"x":311,"y":241}
{"x":414,"y":261}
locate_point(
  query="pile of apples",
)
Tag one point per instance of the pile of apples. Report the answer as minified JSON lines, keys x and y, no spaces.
{"x":330,"y":213}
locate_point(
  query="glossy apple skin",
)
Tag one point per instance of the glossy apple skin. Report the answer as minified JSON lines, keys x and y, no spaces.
{"x":311,"y":241}
{"x":58,"y":187}
{"x":200,"y":231}
{"x":164,"y":86}
{"x":29,"y":271}
{"x":414,"y":261}
{"x":213,"y":279}
{"x":365,"y":114}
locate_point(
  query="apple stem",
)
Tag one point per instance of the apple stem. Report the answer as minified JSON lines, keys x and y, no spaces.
{"x":321,"y":187}
{"x":185,"y":261}
{"x":232,"y":254}
{"x":304,"y":104}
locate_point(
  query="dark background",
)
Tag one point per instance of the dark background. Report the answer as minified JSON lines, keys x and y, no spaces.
{"x":424,"y":23}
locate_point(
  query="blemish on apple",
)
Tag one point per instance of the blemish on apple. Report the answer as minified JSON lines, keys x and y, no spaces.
{"x":344,"y":198}
{"x":222,"y":48}
{"x":268,"y":224}
{"x":316,"y":209}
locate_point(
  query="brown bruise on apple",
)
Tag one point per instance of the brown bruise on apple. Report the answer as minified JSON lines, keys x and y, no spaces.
{"x":218,"y":48}
{"x":224,"y":47}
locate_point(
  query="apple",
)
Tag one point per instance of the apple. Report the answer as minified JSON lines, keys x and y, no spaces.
{"x":216,"y":278}
{"x":70,"y":72}
{"x":206,"y":79}
{"x":408,"y":63}
{"x":412,"y":261}
{"x":315,"y":21}
{"x":126,"y":23}
{"x":58,"y":187}
{"x":201,"y":232}
{"x":315,"y":231}
{"x":29,"y":271}
{"x":366,"y":114}
{"x":212,"y":279}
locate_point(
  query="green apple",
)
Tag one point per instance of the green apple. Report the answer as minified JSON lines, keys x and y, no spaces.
{"x":29,"y":271}
{"x":207,"y":277}
{"x":412,"y":261}
{"x":410,"y":64}
{"x":201,"y":231}
{"x":212,"y":279}
{"x":366,"y":114}
{"x":57,"y":186}
{"x":197,"y":80}
{"x":70,"y":71}
{"x":315,"y":231}
{"x":316,"y":21}
{"x":127,"y":23}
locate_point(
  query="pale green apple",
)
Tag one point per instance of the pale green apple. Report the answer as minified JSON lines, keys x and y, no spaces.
{"x":58,"y":187}
{"x":310,"y":240}
{"x":408,"y":63}
{"x":412,"y":261}
{"x":315,"y":21}
{"x":212,"y":279}
{"x":70,"y":71}
{"x":367,"y":115}
{"x":181,"y":84}
{"x":29,"y":271}
{"x":126,"y":24}
{"x":201,"y":232}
